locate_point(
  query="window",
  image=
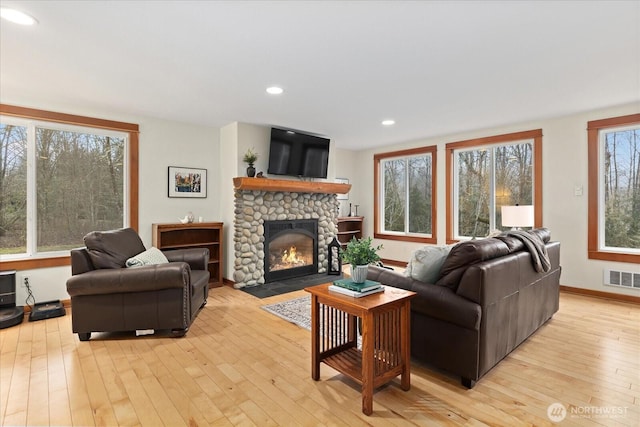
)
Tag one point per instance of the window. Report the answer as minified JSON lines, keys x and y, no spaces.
{"x":405,"y":195}
{"x":61,"y":176}
{"x":488,"y":173}
{"x":614,"y":189}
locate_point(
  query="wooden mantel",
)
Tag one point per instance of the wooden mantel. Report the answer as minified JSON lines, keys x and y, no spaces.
{"x":268,"y":184}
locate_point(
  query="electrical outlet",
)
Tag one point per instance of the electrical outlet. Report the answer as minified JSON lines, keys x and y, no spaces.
{"x":26,"y":280}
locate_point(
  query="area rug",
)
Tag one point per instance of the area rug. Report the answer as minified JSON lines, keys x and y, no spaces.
{"x":296,"y":311}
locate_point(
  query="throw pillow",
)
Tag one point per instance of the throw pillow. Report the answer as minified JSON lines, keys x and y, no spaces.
{"x":425,"y":263}
{"x":111,"y":249}
{"x":468,"y":253}
{"x":150,"y":256}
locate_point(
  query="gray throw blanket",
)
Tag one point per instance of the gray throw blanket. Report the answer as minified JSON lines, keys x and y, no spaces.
{"x":536,"y":247}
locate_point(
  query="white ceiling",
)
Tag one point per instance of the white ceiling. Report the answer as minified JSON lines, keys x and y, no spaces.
{"x":435,"y":67}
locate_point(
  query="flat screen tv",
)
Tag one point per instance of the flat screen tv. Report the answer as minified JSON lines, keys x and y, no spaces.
{"x":298,"y":154}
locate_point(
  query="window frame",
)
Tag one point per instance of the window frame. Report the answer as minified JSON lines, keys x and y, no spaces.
{"x":450,"y":148}
{"x":594,"y":251}
{"x":132,"y":131}
{"x":377,"y":187}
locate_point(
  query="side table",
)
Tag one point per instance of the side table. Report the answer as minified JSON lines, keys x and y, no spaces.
{"x":385,"y":351}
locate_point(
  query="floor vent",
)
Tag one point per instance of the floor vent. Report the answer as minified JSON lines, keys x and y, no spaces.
{"x":624,"y":279}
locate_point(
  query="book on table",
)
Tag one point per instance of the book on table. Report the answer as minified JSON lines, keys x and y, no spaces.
{"x":368,"y":285}
{"x":355,"y":294}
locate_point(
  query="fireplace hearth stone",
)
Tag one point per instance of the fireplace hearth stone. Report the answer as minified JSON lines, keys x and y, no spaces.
{"x":289,"y":285}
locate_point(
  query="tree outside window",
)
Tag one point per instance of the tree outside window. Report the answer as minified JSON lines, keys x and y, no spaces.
{"x":60,"y":180}
{"x":405,"y":195}
{"x":485,"y":174}
{"x":13,"y":189}
{"x":614,"y":189}
{"x":79,"y":181}
{"x":487,"y":179}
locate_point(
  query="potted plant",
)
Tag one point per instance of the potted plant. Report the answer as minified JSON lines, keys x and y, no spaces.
{"x":250,"y":158}
{"x":359,"y":253}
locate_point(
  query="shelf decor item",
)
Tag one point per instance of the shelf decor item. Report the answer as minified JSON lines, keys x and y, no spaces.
{"x":360,"y":253}
{"x":368,"y":285}
{"x":334,"y":264}
{"x":344,"y":196}
{"x":187,"y":182}
{"x":250,"y":158}
{"x":355,"y":294}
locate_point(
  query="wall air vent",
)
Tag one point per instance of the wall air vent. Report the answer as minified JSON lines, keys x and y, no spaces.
{"x":623,"y":279}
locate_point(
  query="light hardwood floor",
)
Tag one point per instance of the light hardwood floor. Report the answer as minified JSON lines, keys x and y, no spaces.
{"x":240,"y":365}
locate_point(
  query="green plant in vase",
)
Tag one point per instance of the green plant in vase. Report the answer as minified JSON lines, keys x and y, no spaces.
{"x":250,"y":158}
{"x":360,"y":253}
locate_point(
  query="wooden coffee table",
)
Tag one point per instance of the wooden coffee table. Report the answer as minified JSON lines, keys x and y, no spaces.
{"x":385,"y":351}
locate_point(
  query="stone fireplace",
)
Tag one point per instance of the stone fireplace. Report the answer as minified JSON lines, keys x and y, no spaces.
{"x":291,"y":249}
{"x":259,"y":201}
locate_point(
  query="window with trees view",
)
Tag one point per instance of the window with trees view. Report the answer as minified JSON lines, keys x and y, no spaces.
{"x":405,"y":195}
{"x":614,"y":188}
{"x":59,"y":181}
{"x":489,"y":173}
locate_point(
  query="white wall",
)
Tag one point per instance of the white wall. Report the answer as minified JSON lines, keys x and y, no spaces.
{"x":162,"y":144}
{"x":564,"y":167}
{"x":346,"y":165}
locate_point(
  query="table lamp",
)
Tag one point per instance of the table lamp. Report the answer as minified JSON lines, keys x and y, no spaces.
{"x":517,"y":216}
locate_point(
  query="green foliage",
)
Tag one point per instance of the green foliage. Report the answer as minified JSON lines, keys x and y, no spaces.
{"x":407,"y":187}
{"x":250,"y":157}
{"x":360,"y":252}
{"x":510,"y":168}
{"x":622,"y":189}
{"x":79,"y":181}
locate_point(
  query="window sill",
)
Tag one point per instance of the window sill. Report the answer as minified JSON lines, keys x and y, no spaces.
{"x":614,"y":256}
{"x":415,"y":239}
{"x":33,"y":263}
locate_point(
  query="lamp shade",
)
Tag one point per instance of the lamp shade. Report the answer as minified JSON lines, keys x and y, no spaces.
{"x":517,"y":216}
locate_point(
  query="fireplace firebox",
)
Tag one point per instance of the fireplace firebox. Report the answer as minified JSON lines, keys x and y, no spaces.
{"x":291,"y":249}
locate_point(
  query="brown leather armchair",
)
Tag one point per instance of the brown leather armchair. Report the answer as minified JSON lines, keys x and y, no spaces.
{"x":108,"y":297}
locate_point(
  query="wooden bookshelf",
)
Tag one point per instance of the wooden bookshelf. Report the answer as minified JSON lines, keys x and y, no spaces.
{"x":194,"y":235}
{"x":348,"y":228}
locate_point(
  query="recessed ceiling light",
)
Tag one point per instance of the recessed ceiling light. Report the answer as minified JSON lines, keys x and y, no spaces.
{"x":16,"y":16}
{"x":274,"y":90}
{"x":388,"y":122}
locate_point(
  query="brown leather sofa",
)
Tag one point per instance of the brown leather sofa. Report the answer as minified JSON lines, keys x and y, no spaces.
{"x":488,"y":300}
{"x":107,"y":297}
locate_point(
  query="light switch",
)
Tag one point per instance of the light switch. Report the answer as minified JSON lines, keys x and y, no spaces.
{"x":577,"y":190}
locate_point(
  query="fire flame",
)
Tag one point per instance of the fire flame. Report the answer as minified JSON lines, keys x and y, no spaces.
{"x":291,"y":256}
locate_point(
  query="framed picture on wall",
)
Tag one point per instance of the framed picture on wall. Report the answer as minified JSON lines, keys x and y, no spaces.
{"x":342,"y":181}
{"x":187,"y":182}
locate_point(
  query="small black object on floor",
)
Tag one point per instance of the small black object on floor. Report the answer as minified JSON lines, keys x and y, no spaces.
{"x":47,"y":310}
{"x":289,"y":285}
{"x":11,"y":316}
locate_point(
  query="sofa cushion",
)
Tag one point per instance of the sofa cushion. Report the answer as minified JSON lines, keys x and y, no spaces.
{"x":426,"y":262}
{"x":111,"y":249}
{"x":468,"y":253}
{"x":152,"y":255}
